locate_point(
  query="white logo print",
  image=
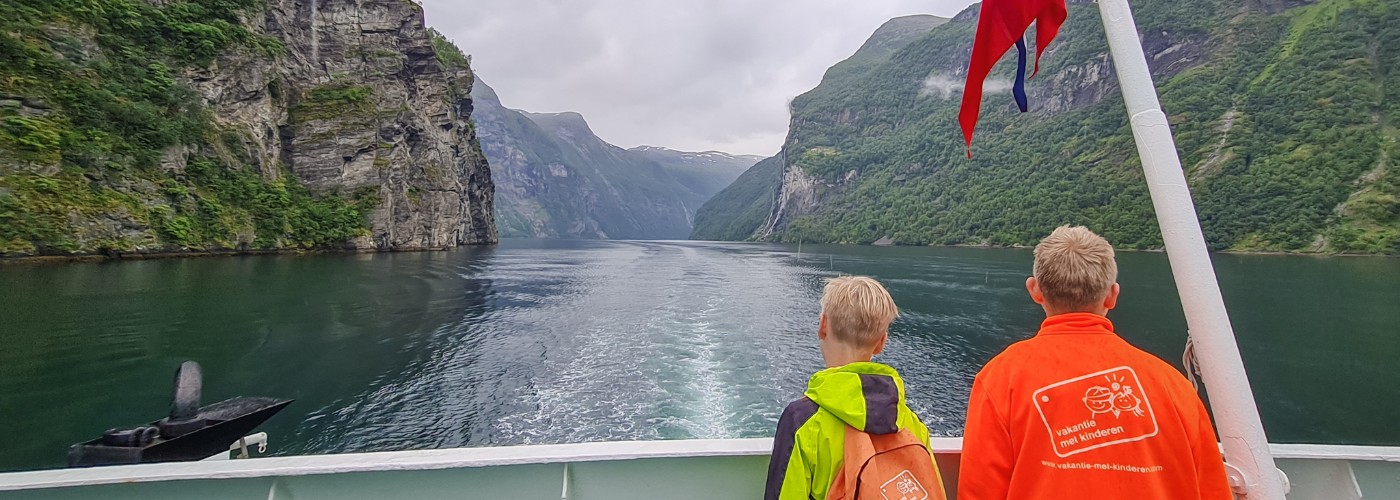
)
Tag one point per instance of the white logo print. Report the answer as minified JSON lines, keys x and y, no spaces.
{"x":903,"y":487}
{"x":1117,"y":398}
{"x":1116,"y":391}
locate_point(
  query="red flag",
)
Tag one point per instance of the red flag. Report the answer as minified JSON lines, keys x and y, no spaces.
{"x":999,"y":25}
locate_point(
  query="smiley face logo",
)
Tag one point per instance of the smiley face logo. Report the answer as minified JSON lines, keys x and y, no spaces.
{"x":1117,"y":398}
{"x":1099,"y":400}
{"x":1126,"y":402}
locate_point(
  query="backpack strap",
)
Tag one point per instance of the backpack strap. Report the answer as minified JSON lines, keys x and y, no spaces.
{"x":858,"y":450}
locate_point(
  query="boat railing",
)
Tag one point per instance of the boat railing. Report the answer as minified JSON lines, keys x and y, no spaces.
{"x":723,"y":468}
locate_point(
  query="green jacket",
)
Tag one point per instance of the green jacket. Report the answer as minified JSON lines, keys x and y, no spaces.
{"x":810,"y":443}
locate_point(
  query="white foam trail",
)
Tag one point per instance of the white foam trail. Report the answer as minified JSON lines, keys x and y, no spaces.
{"x":715,"y":401}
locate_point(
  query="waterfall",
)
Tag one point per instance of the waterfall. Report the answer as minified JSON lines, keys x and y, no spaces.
{"x":315,"y":33}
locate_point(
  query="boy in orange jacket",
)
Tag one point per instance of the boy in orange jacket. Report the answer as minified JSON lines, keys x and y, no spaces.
{"x":1076,"y":412}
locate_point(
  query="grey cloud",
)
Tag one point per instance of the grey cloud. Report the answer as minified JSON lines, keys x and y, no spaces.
{"x":946,"y":87}
{"x":684,"y":74}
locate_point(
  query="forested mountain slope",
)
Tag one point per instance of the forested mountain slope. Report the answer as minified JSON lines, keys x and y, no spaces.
{"x":556,"y":179}
{"x":738,"y":210}
{"x":233,"y":125}
{"x":1283,"y":111}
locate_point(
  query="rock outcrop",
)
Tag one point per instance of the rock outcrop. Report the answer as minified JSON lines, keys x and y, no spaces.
{"x":236,"y":126}
{"x":360,"y":101}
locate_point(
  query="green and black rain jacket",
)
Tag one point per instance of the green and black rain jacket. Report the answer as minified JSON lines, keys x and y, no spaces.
{"x":810,"y":443}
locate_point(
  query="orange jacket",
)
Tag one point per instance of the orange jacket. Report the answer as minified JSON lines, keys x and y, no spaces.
{"x":1078,"y":413}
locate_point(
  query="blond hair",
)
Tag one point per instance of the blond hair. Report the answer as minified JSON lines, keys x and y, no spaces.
{"x":1075,"y":267}
{"x":858,"y":310}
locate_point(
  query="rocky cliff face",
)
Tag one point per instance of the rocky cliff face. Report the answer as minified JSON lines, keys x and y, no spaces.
{"x":797,"y":195}
{"x":236,"y":125}
{"x":360,"y":102}
{"x":537,"y":194}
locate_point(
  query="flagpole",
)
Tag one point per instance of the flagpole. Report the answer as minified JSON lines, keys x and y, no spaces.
{"x":1236,"y":417}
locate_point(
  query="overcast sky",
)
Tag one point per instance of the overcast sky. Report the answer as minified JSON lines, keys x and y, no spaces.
{"x":685,"y":74}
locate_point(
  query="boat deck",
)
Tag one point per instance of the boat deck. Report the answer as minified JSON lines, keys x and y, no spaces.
{"x":618,"y":470}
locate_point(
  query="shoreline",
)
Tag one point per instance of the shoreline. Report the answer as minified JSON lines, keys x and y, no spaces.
{"x":1282,"y":253}
{"x":40,"y":260}
{"x":164,"y":255}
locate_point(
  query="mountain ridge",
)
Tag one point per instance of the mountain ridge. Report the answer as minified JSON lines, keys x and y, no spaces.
{"x":702,"y":154}
{"x":1280,"y":110}
{"x":557,"y":179}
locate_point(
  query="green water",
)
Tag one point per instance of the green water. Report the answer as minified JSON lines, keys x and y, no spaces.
{"x":569,"y":341}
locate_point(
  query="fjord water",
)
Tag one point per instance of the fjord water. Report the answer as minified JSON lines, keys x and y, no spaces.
{"x":572,"y":341}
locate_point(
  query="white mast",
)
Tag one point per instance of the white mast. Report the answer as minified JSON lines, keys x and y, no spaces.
{"x":1236,"y":417}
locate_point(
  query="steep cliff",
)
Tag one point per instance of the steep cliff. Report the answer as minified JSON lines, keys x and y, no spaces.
{"x":234,"y":125}
{"x":1282,"y":110}
{"x":737,"y":211}
{"x":556,"y":179}
{"x":752,"y":206}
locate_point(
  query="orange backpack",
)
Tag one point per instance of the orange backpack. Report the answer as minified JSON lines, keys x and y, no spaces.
{"x":886,"y":467}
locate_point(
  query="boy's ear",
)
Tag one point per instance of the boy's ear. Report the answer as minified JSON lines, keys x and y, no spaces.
{"x":821,"y":328}
{"x":1033,"y":287}
{"x":1111,"y":300}
{"x":880,"y":346}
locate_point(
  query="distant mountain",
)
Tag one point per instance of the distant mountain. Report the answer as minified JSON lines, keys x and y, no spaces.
{"x":705,"y":173}
{"x":556,"y":179}
{"x":1284,"y":113}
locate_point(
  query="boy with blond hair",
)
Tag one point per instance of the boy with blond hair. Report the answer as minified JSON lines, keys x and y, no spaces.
{"x":852,"y":434}
{"x":1076,"y":412}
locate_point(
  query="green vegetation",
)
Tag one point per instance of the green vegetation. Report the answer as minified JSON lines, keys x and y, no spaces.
{"x":1283,"y":121}
{"x":238,"y":203}
{"x":448,"y":54}
{"x":453,"y":59}
{"x":744,"y":207}
{"x":335,"y":99}
{"x":90,"y":109}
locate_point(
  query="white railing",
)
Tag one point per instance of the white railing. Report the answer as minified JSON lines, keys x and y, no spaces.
{"x":1321,"y":471}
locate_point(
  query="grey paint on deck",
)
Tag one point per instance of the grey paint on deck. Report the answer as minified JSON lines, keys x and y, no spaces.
{"x":674,"y":470}
{"x":710,"y":477}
